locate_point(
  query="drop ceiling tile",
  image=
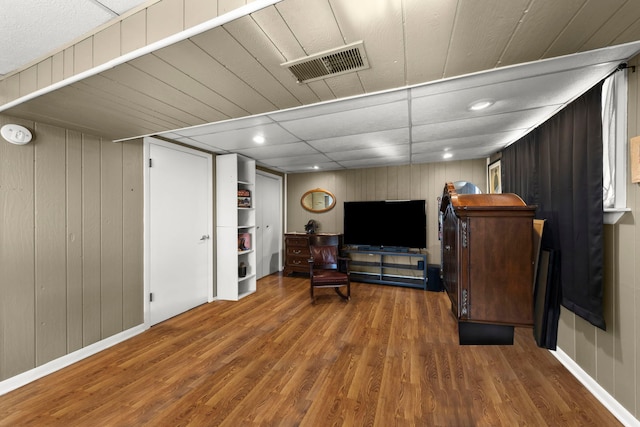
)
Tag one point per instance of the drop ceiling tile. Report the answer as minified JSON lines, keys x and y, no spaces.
{"x":265,"y":152}
{"x":362,"y":140}
{"x":225,"y":126}
{"x":194,"y":143}
{"x":465,"y":154}
{"x":243,"y":138}
{"x":327,"y":166}
{"x":389,"y":151}
{"x":339,"y":106}
{"x":510,"y":96}
{"x":368,"y":119}
{"x":305,"y":160}
{"x":374,"y":162}
{"x":481,"y":125}
{"x":493,"y":139}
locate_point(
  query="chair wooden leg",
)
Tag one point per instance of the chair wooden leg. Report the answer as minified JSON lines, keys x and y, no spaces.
{"x":313,"y":297}
{"x":343,"y":296}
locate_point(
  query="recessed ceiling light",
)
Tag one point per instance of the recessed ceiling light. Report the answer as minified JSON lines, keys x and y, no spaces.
{"x":447,"y":155}
{"x":315,"y":167}
{"x":258,"y":139}
{"x":481,"y":104}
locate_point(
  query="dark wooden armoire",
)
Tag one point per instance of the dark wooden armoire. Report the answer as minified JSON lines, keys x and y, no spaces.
{"x":487,"y":264}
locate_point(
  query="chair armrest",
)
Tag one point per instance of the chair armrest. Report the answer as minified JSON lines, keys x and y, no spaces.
{"x":343,"y":264}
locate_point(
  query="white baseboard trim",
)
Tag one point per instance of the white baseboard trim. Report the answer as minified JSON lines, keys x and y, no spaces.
{"x":618,"y":411}
{"x":62,"y":362}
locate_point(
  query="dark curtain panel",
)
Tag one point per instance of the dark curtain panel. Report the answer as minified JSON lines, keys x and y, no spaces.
{"x":558,"y":167}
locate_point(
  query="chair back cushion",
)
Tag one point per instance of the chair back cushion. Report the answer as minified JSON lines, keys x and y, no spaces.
{"x":324,"y":256}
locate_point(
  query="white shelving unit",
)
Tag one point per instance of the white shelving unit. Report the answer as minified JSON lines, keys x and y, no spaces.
{"x":236,"y":226}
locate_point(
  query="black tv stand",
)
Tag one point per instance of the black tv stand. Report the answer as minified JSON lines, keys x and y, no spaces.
{"x":386,"y":267}
{"x":367,"y":248}
{"x":400,"y":249}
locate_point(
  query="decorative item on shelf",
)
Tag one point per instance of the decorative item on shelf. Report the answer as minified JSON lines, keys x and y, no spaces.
{"x":242,"y":269}
{"x":244,"y":241}
{"x":244,"y":198}
{"x":311,"y":227}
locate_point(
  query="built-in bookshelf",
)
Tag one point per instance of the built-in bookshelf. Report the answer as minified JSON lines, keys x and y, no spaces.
{"x":236,"y":224}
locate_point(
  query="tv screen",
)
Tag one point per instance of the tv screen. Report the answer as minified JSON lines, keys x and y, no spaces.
{"x":401,"y":223}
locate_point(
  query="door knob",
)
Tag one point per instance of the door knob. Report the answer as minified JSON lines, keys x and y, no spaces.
{"x":204,"y":237}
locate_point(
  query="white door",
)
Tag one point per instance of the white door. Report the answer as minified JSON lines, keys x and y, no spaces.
{"x":268,"y":220}
{"x":179,"y":229}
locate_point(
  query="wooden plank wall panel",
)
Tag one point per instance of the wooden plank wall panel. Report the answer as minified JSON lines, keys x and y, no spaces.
{"x":132,"y":234}
{"x":57,"y":67}
{"x":211,"y":103}
{"x":134,"y":32}
{"x":233,"y":56}
{"x":423,"y":181}
{"x":111,"y":241}
{"x":520,"y":47}
{"x":45,"y":74}
{"x":225,"y":6}
{"x":28,"y":80}
{"x":17,"y":261}
{"x":251,"y":36}
{"x":71,"y":255}
{"x":50,"y":243}
{"x":592,"y":15}
{"x":68,"y":62}
{"x":198,"y":11}
{"x":384,"y":38}
{"x":3,"y":91}
{"x":202,"y":67}
{"x":164,"y":18}
{"x":106,"y":44}
{"x":83,"y":55}
{"x":627,"y":291}
{"x":74,"y":240}
{"x":473,"y":48}
{"x":428,"y":32}
{"x":167,"y":99}
{"x":91,"y":243}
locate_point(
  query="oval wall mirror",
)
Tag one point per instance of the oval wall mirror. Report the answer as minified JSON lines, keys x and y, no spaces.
{"x":318,"y":200}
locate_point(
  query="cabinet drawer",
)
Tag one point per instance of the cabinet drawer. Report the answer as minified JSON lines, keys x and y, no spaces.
{"x":297,"y":251}
{"x":298,"y":261}
{"x":297,"y":241}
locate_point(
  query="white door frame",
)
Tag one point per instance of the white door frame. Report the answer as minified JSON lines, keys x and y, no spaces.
{"x":147,"y":213}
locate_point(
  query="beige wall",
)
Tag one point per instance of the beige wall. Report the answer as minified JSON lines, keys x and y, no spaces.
{"x":71,"y":244}
{"x":424,"y":181}
{"x":611,"y":357}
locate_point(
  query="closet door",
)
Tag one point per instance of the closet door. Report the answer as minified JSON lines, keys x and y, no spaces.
{"x":268,"y":221}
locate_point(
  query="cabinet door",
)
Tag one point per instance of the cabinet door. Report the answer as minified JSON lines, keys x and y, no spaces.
{"x":450,"y":256}
{"x":500,"y":283}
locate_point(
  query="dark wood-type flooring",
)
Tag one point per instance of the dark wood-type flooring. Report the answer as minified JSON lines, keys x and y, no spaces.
{"x":388,"y":357}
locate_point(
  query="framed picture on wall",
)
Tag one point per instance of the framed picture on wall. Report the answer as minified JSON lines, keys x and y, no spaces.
{"x":495,"y":177}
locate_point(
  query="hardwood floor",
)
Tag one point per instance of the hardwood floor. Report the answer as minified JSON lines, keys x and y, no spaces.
{"x":388,"y":357}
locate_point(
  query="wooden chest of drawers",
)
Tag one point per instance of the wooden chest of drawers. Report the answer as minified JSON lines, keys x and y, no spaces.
{"x":297,"y":252}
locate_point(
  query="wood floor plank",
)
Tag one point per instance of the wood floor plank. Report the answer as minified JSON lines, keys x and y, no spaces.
{"x":390,"y":356}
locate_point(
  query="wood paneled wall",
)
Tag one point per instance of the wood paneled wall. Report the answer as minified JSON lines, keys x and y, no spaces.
{"x":423,"y":181}
{"x":71,"y":244}
{"x":133,"y":30}
{"x":611,"y":357}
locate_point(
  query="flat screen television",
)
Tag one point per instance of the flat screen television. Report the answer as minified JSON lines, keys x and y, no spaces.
{"x":386,"y":224}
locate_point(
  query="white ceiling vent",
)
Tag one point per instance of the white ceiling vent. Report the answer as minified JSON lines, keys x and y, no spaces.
{"x":345,"y":59}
